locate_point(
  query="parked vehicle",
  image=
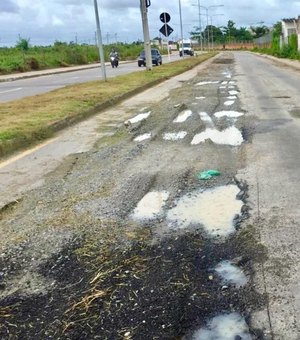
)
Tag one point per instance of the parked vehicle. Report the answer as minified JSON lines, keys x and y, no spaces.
{"x":156,"y":57}
{"x":187,"y":47}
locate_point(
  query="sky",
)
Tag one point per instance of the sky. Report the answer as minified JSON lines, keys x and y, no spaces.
{"x":47,"y":21}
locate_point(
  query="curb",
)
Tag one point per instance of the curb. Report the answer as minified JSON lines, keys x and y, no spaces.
{"x":19,"y":76}
{"x":293,"y":63}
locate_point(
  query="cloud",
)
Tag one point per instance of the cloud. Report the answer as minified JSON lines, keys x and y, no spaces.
{"x":48,"y":20}
{"x":8,"y":6}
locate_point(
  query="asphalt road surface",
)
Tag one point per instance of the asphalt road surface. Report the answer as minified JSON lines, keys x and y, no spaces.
{"x":17,"y":89}
{"x":108,"y":177}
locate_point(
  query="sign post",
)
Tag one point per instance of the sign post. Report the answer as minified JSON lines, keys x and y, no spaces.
{"x":166,"y":30}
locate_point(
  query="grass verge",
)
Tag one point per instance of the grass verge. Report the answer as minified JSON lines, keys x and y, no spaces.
{"x":33,"y":119}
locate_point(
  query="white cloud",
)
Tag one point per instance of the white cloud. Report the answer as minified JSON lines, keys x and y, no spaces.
{"x":47,"y":21}
{"x":56,"y":21}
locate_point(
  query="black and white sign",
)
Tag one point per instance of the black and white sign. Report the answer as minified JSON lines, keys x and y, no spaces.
{"x":166,"y":30}
{"x":165,"y":17}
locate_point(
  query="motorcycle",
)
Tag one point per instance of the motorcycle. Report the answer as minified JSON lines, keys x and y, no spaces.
{"x":114,"y":60}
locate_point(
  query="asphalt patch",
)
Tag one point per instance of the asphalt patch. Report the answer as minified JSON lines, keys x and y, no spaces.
{"x":164,"y":290}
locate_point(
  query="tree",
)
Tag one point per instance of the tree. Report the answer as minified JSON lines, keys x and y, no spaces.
{"x":196,"y":35}
{"x":277,"y":29}
{"x":259,"y":31}
{"x":230,"y":31}
{"x":23,"y":44}
{"x":243,"y":34}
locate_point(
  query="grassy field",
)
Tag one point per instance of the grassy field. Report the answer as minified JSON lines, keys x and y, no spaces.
{"x":59,"y":55}
{"x":33,"y":119}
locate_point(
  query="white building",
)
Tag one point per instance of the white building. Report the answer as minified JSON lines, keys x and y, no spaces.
{"x":289,"y":27}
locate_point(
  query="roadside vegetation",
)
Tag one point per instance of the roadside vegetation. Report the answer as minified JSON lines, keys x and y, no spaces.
{"x":289,"y":50}
{"x":32,"y":119}
{"x":24,"y":57}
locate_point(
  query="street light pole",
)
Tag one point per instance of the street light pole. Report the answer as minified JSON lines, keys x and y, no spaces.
{"x":181,"y":29}
{"x":147,"y":44}
{"x":200,"y":28}
{"x":99,"y":41}
{"x":206,"y":9}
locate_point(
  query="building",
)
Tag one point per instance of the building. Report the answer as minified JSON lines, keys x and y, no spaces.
{"x":289,"y":27}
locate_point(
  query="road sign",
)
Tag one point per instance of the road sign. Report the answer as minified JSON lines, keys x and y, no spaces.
{"x":165,"y":17}
{"x":166,"y":30}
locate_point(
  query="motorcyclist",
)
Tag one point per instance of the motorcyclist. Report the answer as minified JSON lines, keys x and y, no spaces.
{"x":114,"y":54}
{"x":114,"y":58}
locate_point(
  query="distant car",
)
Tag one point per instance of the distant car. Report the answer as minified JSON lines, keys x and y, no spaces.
{"x":156,"y":58}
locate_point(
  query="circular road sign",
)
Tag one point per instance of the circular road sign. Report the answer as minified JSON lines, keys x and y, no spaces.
{"x":165,"y":17}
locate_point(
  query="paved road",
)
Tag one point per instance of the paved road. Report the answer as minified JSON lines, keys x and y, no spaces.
{"x":21,"y":88}
{"x":271,"y":93}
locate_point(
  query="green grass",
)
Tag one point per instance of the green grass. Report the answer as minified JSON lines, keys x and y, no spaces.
{"x":32,"y":119}
{"x":60,"y":54}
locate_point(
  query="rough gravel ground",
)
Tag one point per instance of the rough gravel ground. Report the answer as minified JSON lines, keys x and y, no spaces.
{"x":75,"y":265}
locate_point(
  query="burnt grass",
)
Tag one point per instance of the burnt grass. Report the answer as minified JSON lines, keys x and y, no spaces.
{"x":148,"y":290}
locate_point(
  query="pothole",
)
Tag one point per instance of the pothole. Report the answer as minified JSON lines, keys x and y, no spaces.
{"x":206,"y":118}
{"x":223,"y":61}
{"x":201,"y":83}
{"x":138,"y":118}
{"x":214,"y":209}
{"x":224,"y":327}
{"x":230,"y":114}
{"x":143,"y":137}
{"x":230,"y":136}
{"x":229,"y":102}
{"x":150,"y":206}
{"x":174,"y":135}
{"x":183,"y":116}
{"x":231,"y":274}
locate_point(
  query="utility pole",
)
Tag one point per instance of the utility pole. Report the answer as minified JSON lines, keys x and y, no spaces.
{"x":181,"y":30}
{"x":200,"y":26}
{"x":99,"y":41}
{"x":147,"y":43}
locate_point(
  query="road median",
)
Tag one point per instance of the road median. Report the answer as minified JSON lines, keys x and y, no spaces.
{"x":30,"y":120}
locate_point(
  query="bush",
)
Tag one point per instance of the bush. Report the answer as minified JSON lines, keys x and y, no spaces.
{"x":33,"y":64}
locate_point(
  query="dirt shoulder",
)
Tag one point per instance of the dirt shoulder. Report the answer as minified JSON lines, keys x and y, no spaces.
{"x":80,"y":260}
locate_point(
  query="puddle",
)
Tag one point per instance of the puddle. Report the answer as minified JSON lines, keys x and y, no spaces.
{"x":227,"y":74}
{"x":214,"y":209}
{"x":150,"y":206}
{"x":232,"y":97}
{"x":224,"y":327}
{"x":229,"y":102}
{"x":174,"y":135}
{"x":142,"y":137}
{"x":230,"y":136}
{"x":206,"y":118}
{"x":233,"y":92}
{"x":139,"y":117}
{"x":231,"y":274}
{"x":207,"y":83}
{"x":199,"y":97}
{"x":183,"y":116}
{"x":230,"y":114}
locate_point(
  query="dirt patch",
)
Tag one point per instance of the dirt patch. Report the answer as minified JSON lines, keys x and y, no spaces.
{"x":164,"y":289}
